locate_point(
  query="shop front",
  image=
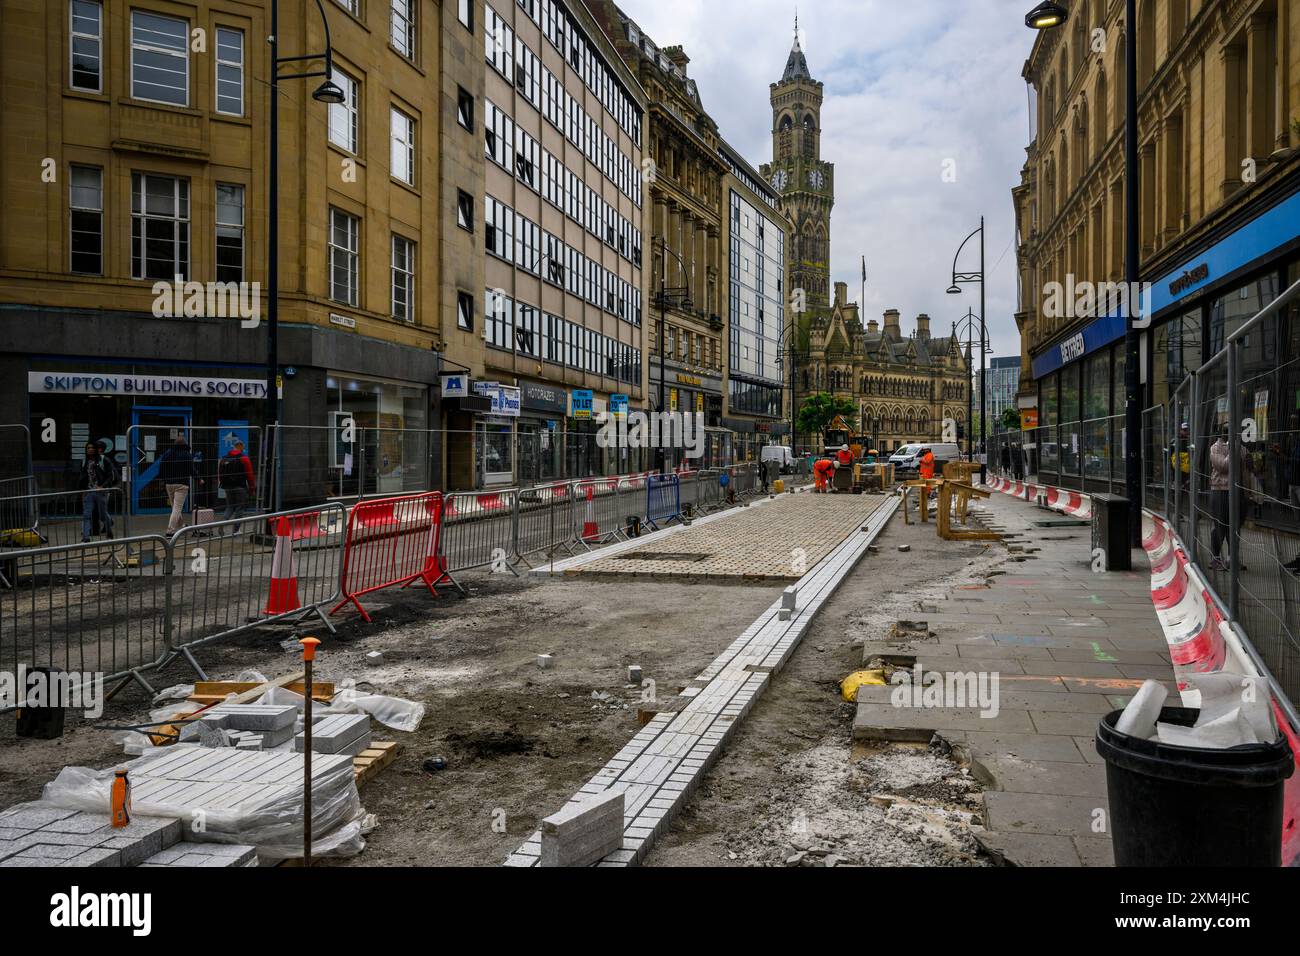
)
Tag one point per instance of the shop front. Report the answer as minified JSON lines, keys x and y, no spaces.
{"x":541,"y":433}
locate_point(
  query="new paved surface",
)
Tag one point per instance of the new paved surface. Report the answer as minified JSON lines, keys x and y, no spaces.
{"x":1068,"y":646}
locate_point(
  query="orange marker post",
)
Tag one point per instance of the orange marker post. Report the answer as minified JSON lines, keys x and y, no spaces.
{"x":309,"y":645}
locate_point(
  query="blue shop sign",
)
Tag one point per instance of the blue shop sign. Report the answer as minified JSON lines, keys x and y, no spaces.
{"x":1094,"y":336}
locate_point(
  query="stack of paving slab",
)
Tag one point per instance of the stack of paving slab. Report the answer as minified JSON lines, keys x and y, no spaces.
{"x":337,"y":734}
{"x":250,"y":726}
{"x":37,"y":834}
{"x":231,"y":796}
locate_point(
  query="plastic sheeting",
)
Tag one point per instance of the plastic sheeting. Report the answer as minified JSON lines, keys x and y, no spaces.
{"x":243,"y":809}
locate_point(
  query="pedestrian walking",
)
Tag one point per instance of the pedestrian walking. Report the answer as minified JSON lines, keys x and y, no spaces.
{"x":235,"y":474}
{"x":178,"y":469}
{"x":1220,"y":489}
{"x":98,"y":474}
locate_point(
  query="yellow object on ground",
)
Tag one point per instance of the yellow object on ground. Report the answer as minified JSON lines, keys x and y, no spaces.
{"x":778,"y":486}
{"x":20,"y":538}
{"x":849,"y":686}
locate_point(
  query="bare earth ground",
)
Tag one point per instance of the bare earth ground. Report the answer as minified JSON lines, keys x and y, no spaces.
{"x":518,"y":741}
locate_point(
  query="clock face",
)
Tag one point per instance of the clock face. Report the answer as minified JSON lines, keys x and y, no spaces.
{"x":779,"y":179}
{"x":816,"y":178}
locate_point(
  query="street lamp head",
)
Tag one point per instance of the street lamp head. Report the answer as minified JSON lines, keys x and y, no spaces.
{"x":1046,"y":15}
{"x":329,"y":92}
{"x":954,"y":289}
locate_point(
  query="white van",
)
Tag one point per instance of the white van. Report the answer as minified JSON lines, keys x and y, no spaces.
{"x":781,"y":454}
{"x":908,"y":458}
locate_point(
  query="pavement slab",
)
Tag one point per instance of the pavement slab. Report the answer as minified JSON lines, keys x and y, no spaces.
{"x":1068,"y":645}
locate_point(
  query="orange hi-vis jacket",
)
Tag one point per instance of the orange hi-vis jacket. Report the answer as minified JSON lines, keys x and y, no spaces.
{"x":927,"y":465}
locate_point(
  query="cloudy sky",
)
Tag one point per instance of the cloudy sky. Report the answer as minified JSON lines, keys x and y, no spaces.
{"x":908,"y":86}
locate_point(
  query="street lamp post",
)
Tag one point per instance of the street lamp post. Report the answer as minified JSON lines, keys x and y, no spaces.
{"x":681,"y":296}
{"x":959,"y":279}
{"x":1047,"y":16}
{"x":968,"y":322}
{"x":327,"y":92}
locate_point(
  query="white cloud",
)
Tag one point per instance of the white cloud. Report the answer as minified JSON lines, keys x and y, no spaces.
{"x":908,"y":86}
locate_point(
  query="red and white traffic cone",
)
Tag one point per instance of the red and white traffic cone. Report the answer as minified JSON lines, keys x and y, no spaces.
{"x":590,"y":530}
{"x":283,"y":596}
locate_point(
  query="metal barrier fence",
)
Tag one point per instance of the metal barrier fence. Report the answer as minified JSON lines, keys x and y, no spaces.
{"x":663,"y":499}
{"x":543,"y":521}
{"x":89,"y":609}
{"x":1222,"y":465}
{"x":599,"y":511}
{"x":60,"y":518}
{"x":478,"y":529}
{"x":391,"y":542}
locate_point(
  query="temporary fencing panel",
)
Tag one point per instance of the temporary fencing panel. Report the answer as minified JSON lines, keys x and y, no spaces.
{"x":477,"y":529}
{"x":391,"y":542}
{"x":543,"y":520}
{"x":144,"y":475}
{"x":597,"y":511}
{"x":663,"y":499}
{"x":58,"y":518}
{"x":97,"y":609}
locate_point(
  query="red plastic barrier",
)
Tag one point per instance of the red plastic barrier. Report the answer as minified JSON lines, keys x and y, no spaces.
{"x":392,"y":542}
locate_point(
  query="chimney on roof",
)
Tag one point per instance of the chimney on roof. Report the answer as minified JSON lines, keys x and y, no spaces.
{"x":841,"y":293}
{"x":892,"y":330}
{"x":677,"y":56}
{"x":923,"y":327}
{"x":873,"y":326}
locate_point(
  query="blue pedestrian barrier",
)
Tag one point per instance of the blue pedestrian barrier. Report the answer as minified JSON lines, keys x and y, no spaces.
{"x":663,"y":503}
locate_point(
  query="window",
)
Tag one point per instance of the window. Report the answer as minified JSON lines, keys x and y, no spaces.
{"x":465,"y":108}
{"x":230,"y":232}
{"x":160,"y":64}
{"x":86,"y":220}
{"x":402,"y":130}
{"x":465,"y":311}
{"x":498,"y":137}
{"x":403,"y":279}
{"x":402,"y":27}
{"x":499,"y":44}
{"x":230,"y":71}
{"x":86,"y":47}
{"x":343,"y":116}
{"x":160,"y":227}
{"x":349,"y":5}
{"x":498,"y":320}
{"x":344,"y":260}
{"x":498,"y":228}
{"x":527,"y":158}
{"x":465,"y":14}
{"x":465,"y":210}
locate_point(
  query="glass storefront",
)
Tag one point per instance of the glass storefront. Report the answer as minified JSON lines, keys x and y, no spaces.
{"x":394,"y":446}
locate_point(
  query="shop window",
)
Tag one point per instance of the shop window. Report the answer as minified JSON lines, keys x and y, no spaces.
{"x":160,"y":61}
{"x":160,"y":227}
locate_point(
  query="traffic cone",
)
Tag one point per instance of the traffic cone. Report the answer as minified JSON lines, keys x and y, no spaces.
{"x":283,"y":596}
{"x":590,"y":530}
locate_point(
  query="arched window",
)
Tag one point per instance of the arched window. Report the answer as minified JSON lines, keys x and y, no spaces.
{"x":1146,"y":40}
{"x":1101,"y":122}
{"x":809,"y":137}
{"x":784,"y":135}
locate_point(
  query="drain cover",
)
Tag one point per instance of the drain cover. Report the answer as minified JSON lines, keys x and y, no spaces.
{"x":684,"y":556}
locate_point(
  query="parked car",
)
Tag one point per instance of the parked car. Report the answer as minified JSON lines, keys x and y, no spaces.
{"x":907,"y":460}
{"x":783,"y":455}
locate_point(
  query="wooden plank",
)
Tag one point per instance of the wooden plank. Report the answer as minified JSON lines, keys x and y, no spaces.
{"x":206,"y":691}
{"x":367,"y":764}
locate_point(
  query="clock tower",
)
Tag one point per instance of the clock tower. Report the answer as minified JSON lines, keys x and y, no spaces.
{"x":806,"y":183}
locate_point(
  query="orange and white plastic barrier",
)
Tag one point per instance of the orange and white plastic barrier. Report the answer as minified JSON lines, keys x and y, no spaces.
{"x":282,"y":596}
{"x":392,"y":542}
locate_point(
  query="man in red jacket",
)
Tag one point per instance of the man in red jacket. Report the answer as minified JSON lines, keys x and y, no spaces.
{"x":235,"y":475}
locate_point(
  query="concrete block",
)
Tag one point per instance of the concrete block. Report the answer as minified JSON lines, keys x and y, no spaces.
{"x":337,"y":734}
{"x":260,"y":717}
{"x":583,"y":831}
{"x":374,"y":658}
{"x":545,"y":661}
{"x":634,"y":674}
